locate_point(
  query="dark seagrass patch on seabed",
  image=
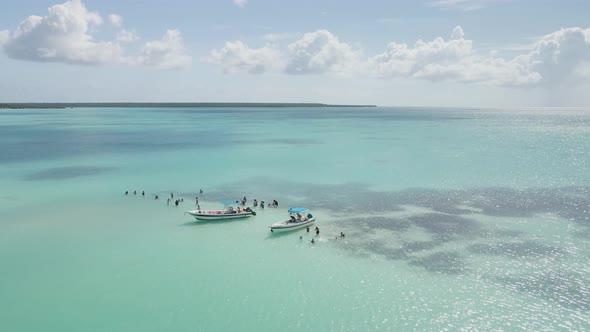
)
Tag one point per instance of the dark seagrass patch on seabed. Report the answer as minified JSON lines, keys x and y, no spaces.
{"x":67,"y":172}
{"x":449,"y":219}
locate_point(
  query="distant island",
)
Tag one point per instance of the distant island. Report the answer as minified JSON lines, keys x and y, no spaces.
{"x":95,"y":105}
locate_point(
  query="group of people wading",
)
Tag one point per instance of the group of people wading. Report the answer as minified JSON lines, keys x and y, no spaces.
{"x":171,"y":199}
{"x":274,"y":204}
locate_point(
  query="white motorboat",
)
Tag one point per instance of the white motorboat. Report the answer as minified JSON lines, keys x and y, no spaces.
{"x":228,"y":213}
{"x":298,"y":218}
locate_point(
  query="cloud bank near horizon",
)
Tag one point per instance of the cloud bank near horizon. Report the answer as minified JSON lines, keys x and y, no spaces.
{"x":556,"y":57}
{"x":68,"y":34}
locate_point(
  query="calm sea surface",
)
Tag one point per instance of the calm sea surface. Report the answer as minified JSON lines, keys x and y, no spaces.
{"x":454,"y":219}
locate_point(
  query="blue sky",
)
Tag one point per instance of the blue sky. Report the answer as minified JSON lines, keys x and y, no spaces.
{"x":410,"y":53}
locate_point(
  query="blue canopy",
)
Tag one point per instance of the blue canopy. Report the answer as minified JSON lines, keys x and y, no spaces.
{"x":297,"y":210}
{"x":229,"y":202}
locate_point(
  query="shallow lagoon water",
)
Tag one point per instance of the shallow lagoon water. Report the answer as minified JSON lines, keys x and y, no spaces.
{"x":454,"y":219}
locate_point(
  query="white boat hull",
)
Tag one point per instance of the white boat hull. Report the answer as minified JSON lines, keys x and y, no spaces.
{"x":287,"y":225}
{"x":217,"y":215}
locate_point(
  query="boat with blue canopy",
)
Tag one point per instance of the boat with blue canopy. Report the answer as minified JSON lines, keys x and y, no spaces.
{"x":228,"y":212}
{"x":298,"y":218}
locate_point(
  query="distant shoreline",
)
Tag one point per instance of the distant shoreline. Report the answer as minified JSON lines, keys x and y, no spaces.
{"x":99,"y":105}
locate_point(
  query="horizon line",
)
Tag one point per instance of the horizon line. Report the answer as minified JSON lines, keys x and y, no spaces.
{"x":171,"y":104}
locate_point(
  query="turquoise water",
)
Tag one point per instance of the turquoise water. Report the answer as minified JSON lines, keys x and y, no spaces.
{"x":454,"y":219}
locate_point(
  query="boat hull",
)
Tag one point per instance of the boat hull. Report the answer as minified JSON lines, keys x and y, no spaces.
{"x":285,"y":226}
{"x":218,"y":215}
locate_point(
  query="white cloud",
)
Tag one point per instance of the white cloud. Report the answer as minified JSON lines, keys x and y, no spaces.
{"x":464,"y":5}
{"x":240,"y":3}
{"x":558,"y":55}
{"x":126,"y":36}
{"x":66,"y":35}
{"x":457,"y":33}
{"x":554,"y":58}
{"x":166,"y":53}
{"x":452,"y":60}
{"x":61,"y":36}
{"x":316,"y":52}
{"x":319,"y":52}
{"x":400,"y":59}
{"x":116,"y":20}
{"x":238,"y":57}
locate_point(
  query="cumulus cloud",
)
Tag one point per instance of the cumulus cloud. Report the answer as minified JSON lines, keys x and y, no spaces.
{"x":316,"y":52}
{"x":238,"y":57}
{"x":166,"y":53}
{"x":240,"y":3}
{"x":401,"y":59}
{"x":61,"y":36}
{"x":558,"y":55}
{"x":65,"y":35}
{"x":319,"y":52}
{"x":553,"y":58}
{"x":116,"y":20}
{"x":457,"y":33}
{"x":126,"y":36}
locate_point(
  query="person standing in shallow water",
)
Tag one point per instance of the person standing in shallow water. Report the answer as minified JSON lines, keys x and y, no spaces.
{"x":143,"y":193}
{"x":317,"y":231}
{"x":307,"y":229}
{"x":196,"y":200}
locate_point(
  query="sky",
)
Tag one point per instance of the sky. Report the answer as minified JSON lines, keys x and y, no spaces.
{"x":449,"y":53}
